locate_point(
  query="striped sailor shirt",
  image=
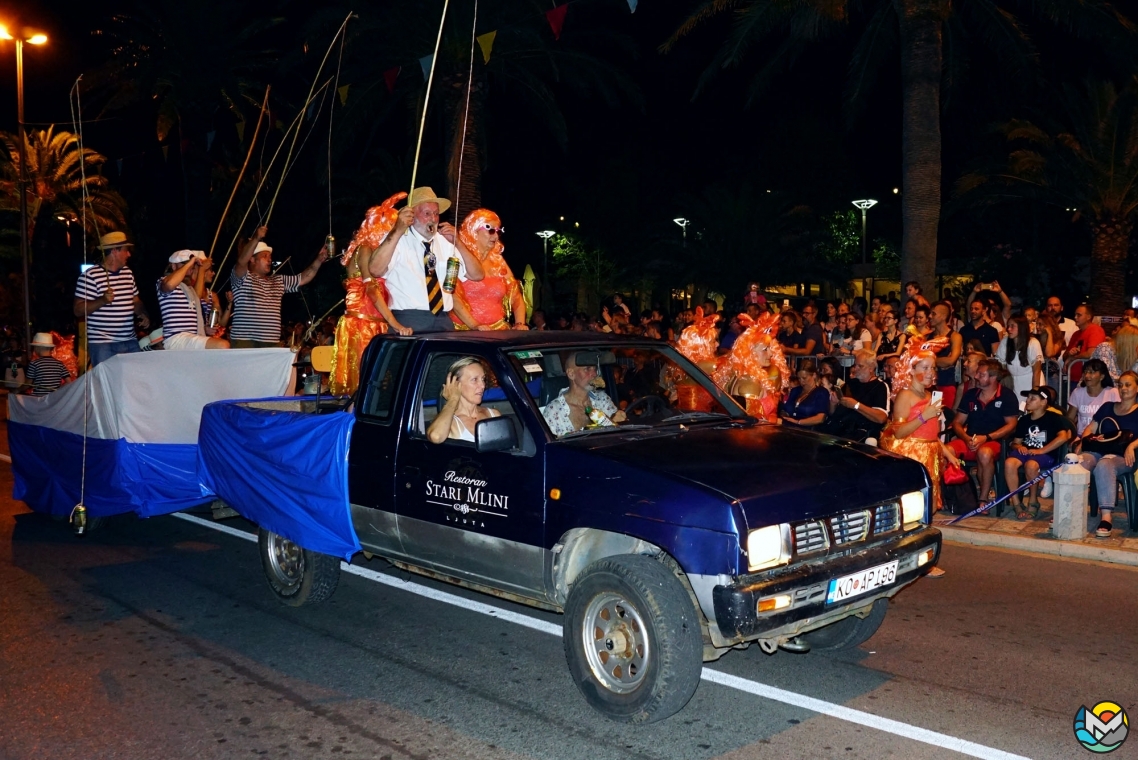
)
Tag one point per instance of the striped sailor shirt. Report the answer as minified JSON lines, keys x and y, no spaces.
{"x":257,"y":305}
{"x":115,"y":321}
{"x":179,"y":315}
{"x":45,"y":374}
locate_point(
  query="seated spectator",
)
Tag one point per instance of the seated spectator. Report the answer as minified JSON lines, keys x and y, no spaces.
{"x":790,"y":330}
{"x":45,"y":373}
{"x":920,"y":327}
{"x":733,"y":331}
{"x":987,"y":414}
{"x":810,"y":340}
{"x":1119,"y":351}
{"x":890,"y":341}
{"x":1095,"y":389}
{"x":1105,"y":468}
{"x":1021,"y":355}
{"x":808,"y":403}
{"x":462,"y":402}
{"x":830,"y":323}
{"x":853,"y":336}
{"x":860,"y":408}
{"x":907,"y":312}
{"x":1039,"y":432}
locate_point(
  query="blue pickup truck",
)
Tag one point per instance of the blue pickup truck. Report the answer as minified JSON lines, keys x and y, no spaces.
{"x":666,"y":539}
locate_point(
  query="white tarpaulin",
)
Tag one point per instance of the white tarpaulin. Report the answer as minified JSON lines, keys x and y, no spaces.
{"x":157,"y":396}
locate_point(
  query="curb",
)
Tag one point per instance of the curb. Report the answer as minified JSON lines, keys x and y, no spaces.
{"x":1044,"y":546}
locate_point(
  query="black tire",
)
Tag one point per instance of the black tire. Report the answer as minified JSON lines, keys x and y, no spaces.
{"x":296,"y":575}
{"x":850,"y":632}
{"x":646,"y":611}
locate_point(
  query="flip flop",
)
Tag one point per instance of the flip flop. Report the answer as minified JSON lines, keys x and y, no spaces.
{"x":1023,"y":514}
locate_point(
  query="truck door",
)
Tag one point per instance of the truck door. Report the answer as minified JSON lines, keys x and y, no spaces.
{"x":475,"y":516}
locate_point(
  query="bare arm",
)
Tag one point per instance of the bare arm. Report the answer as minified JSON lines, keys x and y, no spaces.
{"x":241,"y":266}
{"x":140,"y":312}
{"x":473,"y":263}
{"x":439,"y":429}
{"x":461,"y":310}
{"x":175,"y":278}
{"x":380,"y":258}
{"x":82,"y":307}
{"x":307,"y":275}
{"x":518,"y":309}
{"x":377,"y":298}
{"x":957,"y":344}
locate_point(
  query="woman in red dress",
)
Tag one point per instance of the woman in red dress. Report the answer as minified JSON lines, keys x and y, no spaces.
{"x":482,"y":305}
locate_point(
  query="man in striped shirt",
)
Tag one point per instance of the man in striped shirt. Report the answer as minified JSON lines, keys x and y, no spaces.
{"x":257,"y":293}
{"x":180,"y":298}
{"x":107,"y":297}
{"x":45,"y":373}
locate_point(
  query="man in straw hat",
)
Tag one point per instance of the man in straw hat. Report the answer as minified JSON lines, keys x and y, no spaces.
{"x":107,"y":297}
{"x":413,"y":259}
{"x":257,"y":293}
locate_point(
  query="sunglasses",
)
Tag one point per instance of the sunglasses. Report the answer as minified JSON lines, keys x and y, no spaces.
{"x":494,"y":230}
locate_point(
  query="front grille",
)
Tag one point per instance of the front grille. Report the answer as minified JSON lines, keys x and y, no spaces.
{"x":810,"y":537}
{"x":886,"y":518}
{"x":850,"y":527}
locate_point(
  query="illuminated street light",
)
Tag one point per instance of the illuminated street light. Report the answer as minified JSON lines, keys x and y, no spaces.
{"x":683,"y":226}
{"x":545,"y":235}
{"x":32,"y":38}
{"x":864,"y":205}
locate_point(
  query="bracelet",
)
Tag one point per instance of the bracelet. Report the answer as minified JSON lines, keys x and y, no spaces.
{"x":921,"y":416}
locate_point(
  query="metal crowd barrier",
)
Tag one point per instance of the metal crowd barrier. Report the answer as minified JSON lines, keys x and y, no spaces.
{"x":1064,"y":388}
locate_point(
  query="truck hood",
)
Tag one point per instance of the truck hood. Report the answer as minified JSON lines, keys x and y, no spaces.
{"x":774,"y":474}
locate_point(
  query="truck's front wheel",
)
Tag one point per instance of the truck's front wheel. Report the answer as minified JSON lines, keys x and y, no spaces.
{"x":296,"y":575}
{"x":632,"y":639}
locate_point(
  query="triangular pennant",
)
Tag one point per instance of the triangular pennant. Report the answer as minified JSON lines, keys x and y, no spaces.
{"x":241,"y":131}
{"x":343,"y":93}
{"x":165,"y":152}
{"x":118,"y":163}
{"x":556,"y":19}
{"x":486,"y":42}
{"x":390,"y":76}
{"x":632,"y":6}
{"x":209,"y":139}
{"x":426,"y":62}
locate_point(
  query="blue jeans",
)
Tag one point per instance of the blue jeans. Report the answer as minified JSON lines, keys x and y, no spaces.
{"x":1106,"y":471}
{"x":100,"y":352}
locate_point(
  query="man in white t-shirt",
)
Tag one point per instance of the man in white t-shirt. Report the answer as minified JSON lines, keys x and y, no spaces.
{"x":413,"y":261}
{"x":1055,"y":309}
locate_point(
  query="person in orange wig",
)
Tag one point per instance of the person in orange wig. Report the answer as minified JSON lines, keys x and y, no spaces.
{"x":482,"y":304}
{"x":756,"y":368}
{"x":365,"y":303}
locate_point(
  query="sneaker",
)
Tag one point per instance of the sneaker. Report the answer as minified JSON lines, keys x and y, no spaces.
{"x":936,"y":572}
{"x":1046,"y":489}
{"x":1103,"y":530}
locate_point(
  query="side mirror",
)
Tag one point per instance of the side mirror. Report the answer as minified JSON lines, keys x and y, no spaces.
{"x":495,"y":434}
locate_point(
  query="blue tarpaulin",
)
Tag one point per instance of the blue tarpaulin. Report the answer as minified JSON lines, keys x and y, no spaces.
{"x":147,"y":478}
{"x":287,"y":471}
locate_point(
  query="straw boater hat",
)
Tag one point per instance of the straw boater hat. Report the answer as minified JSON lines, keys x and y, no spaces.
{"x":42,"y":340}
{"x":114,"y":240}
{"x":427,"y":195}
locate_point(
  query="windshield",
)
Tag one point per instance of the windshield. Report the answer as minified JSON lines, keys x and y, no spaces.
{"x":593,"y":388}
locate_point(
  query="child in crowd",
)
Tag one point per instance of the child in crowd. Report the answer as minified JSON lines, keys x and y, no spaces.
{"x":45,"y":373}
{"x":1039,"y":432}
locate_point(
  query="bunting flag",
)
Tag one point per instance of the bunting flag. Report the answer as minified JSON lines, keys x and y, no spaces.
{"x":486,"y":42}
{"x":632,"y":6}
{"x":209,"y":138}
{"x":390,"y":76}
{"x":556,"y":19}
{"x":426,"y":62}
{"x":343,"y":93}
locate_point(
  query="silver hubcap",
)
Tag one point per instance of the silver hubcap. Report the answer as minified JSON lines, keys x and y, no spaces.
{"x":616,"y":643}
{"x":286,"y":560}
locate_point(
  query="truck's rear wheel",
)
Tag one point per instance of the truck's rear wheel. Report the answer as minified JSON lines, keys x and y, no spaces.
{"x":850,"y":632}
{"x":296,"y":575}
{"x":632,"y":639}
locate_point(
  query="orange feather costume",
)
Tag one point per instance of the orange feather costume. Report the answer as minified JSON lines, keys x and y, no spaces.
{"x":489,"y":299}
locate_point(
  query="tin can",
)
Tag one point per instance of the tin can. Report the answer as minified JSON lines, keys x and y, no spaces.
{"x":451,"y":278}
{"x":214,"y":319}
{"x":330,"y":245}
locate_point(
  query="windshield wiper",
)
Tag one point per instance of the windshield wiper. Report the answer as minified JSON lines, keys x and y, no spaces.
{"x":606,"y":428}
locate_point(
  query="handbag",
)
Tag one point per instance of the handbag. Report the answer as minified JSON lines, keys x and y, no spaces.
{"x":1106,"y":442}
{"x":954,"y":475}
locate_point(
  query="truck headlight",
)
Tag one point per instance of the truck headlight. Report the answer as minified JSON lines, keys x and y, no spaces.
{"x":768,"y":547}
{"x":912,"y":508}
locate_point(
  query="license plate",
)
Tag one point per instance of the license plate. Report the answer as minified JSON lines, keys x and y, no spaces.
{"x":861,"y":582}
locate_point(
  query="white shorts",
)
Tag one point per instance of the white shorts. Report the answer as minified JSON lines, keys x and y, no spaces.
{"x":185,"y":342}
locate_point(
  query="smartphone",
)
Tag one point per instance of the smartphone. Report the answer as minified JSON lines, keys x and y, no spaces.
{"x":937,"y":397}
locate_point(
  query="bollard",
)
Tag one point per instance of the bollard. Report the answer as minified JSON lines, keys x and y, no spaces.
{"x":1072,"y":484}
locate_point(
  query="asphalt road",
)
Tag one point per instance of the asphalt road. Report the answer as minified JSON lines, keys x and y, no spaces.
{"x":160,"y":639}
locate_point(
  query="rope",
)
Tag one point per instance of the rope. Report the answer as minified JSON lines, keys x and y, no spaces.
{"x":426,"y":102}
{"x":331,"y":113}
{"x":241,"y":174}
{"x":465,"y":118}
{"x":77,"y":126}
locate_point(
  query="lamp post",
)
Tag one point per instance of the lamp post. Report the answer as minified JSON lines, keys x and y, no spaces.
{"x":864,"y":205}
{"x":545,"y":235}
{"x":683,"y":226}
{"x":32,"y":38}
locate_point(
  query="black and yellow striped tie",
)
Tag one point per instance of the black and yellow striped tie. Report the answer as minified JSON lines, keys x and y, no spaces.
{"x":434,"y":289}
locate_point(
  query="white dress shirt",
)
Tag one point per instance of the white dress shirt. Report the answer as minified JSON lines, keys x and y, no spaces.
{"x":405,"y":279}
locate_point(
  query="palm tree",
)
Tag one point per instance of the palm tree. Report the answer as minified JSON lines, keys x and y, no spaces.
{"x":56,"y":168}
{"x":917,"y":30}
{"x":1088,"y":163}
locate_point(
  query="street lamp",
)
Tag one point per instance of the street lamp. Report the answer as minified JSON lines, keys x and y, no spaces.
{"x":864,"y":205}
{"x":683,"y":226}
{"x":545,"y":235}
{"x":32,"y":38}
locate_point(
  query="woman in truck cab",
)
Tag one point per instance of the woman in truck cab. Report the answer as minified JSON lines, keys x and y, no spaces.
{"x":462,"y":402}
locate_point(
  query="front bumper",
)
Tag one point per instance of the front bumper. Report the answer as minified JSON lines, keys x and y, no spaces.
{"x":807,"y":583}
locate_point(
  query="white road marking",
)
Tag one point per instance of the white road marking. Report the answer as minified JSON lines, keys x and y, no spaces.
{"x":895,"y":727}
